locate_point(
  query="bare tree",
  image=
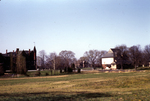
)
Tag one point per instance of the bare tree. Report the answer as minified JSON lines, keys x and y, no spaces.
{"x":92,"y":56}
{"x":74,"y":60}
{"x":83,"y":58}
{"x":42,"y":56}
{"x":135,"y":55}
{"x":83,"y":62}
{"x":54,"y":60}
{"x":123,"y":56}
{"x":146,"y":54}
{"x":39,"y":62}
{"x":99,"y":59}
{"x":68,"y":57}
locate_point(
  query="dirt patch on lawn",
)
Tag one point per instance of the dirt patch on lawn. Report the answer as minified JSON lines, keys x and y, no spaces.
{"x":10,"y":77}
{"x":61,"y":82}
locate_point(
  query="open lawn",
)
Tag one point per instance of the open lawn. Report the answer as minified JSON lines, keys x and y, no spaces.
{"x":97,"y":86}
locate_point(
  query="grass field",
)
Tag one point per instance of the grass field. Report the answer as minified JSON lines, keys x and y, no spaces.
{"x":133,"y":86}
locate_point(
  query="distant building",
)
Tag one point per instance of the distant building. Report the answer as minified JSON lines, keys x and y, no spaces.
{"x":112,"y":59}
{"x":11,"y":57}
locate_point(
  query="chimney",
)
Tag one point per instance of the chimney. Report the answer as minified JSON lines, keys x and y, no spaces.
{"x":13,"y":51}
{"x":6,"y":51}
{"x":29,"y":51}
{"x":17,"y":50}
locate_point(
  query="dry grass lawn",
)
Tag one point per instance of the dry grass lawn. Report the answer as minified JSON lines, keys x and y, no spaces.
{"x":81,"y":87}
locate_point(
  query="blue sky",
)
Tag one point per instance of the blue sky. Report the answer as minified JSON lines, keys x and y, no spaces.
{"x":76,"y":25}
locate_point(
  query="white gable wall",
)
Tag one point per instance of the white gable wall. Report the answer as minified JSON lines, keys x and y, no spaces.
{"x":110,"y":51}
{"x":107,"y":60}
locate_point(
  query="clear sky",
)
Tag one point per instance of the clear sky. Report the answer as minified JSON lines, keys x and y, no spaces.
{"x":76,"y":25}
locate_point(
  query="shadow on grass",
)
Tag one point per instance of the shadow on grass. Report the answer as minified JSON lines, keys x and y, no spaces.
{"x":144,"y":69}
{"x":55,"y":96}
{"x":93,"y":95}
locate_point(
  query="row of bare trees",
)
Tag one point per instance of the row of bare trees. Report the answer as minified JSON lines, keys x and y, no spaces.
{"x":54,"y":61}
{"x":92,"y":58}
{"x":135,"y":54}
{"x":66,"y":58}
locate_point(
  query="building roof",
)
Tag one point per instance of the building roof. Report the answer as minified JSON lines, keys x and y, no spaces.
{"x":8,"y":54}
{"x":110,"y":53}
{"x":14,"y":53}
{"x":115,"y":50}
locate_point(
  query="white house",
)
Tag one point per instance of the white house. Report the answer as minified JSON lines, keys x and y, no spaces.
{"x":111,"y":59}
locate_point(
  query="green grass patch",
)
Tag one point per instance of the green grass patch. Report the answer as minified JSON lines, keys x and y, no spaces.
{"x":124,"y":82}
{"x":45,"y":73}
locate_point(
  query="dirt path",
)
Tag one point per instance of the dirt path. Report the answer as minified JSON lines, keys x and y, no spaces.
{"x":34,"y":77}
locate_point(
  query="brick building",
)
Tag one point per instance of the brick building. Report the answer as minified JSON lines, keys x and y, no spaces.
{"x":9,"y":58}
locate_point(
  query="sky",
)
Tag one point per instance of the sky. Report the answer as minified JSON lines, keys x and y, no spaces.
{"x":73,"y":25}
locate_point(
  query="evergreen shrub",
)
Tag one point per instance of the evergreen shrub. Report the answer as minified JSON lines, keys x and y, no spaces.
{"x":1,"y":70}
{"x":38,"y":73}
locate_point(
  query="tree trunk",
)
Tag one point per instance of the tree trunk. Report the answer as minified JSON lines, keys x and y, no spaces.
{"x":121,"y":65}
{"x":135,"y":67}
